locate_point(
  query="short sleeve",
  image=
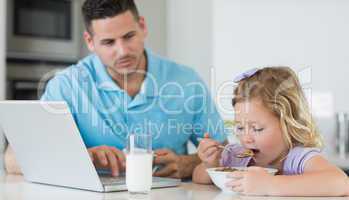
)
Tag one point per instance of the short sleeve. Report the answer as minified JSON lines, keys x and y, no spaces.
{"x":297,"y":159}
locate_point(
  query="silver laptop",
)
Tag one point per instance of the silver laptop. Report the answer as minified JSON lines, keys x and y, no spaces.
{"x":50,"y":150}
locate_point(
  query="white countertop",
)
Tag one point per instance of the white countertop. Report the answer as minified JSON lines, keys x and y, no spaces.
{"x":15,"y":188}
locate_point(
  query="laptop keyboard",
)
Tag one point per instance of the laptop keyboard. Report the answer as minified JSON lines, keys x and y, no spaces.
{"x":108,"y":180}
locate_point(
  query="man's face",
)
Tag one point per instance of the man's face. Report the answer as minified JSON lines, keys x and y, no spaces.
{"x":118,"y":41}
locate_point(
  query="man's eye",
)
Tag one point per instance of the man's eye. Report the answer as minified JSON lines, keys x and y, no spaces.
{"x":108,"y":43}
{"x":129,"y":36}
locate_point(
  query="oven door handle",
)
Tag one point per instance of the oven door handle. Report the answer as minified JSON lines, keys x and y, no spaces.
{"x":23,"y":85}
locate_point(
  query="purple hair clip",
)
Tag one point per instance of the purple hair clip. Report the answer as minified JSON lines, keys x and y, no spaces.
{"x":246,"y":74}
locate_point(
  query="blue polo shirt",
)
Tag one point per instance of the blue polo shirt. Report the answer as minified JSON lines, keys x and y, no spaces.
{"x":174,"y":104}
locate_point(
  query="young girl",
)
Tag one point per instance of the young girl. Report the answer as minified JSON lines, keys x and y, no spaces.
{"x":274,"y":122}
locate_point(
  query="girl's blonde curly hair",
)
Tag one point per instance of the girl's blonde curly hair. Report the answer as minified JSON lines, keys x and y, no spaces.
{"x":280,"y":91}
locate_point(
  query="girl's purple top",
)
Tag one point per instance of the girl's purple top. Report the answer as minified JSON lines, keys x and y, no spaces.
{"x":293,"y":164}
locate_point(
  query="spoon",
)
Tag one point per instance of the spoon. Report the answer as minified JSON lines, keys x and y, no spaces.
{"x":218,"y":146}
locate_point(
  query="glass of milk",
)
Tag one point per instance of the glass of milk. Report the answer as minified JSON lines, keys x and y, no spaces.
{"x":139,"y":161}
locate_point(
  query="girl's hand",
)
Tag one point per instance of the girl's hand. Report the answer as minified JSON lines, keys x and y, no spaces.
{"x":254,"y":181}
{"x":208,"y":152}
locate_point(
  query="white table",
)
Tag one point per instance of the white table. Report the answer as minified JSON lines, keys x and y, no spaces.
{"x":15,"y":188}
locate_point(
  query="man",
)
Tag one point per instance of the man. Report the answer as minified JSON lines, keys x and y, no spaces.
{"x":124,"y":88}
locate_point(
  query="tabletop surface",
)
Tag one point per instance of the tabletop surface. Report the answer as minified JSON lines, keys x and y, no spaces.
{"x":15,"y":188}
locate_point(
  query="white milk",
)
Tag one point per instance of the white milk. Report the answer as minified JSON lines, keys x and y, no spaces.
{"x":139,"y":172}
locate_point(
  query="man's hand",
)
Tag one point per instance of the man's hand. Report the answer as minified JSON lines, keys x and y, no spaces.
{"x":105,"y":157}
{"x":11,"y":164}
{"x":175,"y":166}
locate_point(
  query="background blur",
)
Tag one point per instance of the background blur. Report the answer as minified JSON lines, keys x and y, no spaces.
{"x":220,"y":39}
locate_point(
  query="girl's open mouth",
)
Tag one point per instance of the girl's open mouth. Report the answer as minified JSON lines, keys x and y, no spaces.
{"x":255,"y":151}
{"x":255,"y":154}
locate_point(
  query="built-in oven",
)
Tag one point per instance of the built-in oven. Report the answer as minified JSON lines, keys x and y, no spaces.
{"x":44,"y":30}
{"x":27,"y":80}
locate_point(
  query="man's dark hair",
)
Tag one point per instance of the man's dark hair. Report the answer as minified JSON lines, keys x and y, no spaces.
{"x":101,"y":9}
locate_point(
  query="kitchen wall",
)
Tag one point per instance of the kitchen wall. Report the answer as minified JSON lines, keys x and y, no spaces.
{"x":155,"y":15}
{"x":308,"y":35}
{"x":189,"y":37}
{"x":235,"y":35}
{"x":311,"y":36}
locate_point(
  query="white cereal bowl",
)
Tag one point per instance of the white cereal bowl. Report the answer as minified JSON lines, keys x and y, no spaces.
{"x":219,"y":178}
